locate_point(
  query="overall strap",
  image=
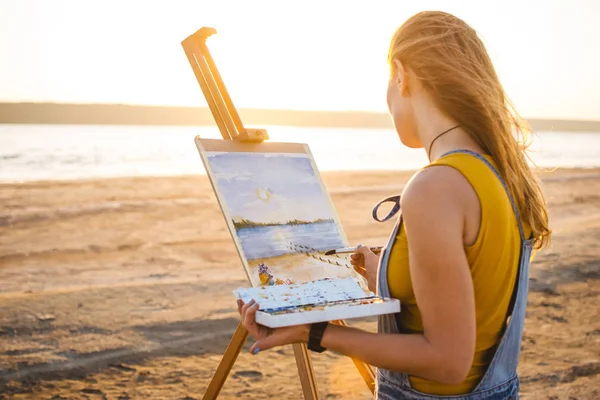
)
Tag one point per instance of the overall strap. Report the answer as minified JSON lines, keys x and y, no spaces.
{"x":394,"y":199}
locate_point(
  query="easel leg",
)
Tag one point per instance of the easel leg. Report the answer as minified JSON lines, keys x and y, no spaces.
{"x":231,"y":354}
{"x":305,"y":370}
{"x":307,"y":376}
{"x":364,"y":370}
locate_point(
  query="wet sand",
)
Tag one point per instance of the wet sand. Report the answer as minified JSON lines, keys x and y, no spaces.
{"x":122,"y":289}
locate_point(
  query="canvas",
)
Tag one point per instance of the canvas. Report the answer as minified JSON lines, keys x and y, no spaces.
{"x":283,"y":223}
{"x":278,"y":210}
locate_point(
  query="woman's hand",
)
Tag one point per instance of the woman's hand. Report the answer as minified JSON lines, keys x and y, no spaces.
{"x":265,"y":337}
{"x":365,"y":262}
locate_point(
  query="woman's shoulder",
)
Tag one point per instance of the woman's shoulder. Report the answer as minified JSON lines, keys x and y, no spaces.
{"x":442,"y":180}
{"x":451,"y":194}
{"x":460,"y":173}
{"x":440,"y":187}
{"x":473,"y":166}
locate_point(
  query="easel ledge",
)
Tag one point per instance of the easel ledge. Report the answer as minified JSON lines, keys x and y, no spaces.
{"x":231,"y":128}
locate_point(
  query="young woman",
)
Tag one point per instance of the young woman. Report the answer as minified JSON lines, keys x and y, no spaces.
{"x":459,"y":254}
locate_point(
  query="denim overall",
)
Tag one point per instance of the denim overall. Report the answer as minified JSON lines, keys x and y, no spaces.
{"x":500,"y":380}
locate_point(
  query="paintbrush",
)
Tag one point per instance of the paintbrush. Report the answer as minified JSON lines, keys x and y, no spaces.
{"x":345,"y":250}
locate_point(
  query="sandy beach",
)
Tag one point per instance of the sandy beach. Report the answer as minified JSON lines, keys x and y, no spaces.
{"x":122,"y":289}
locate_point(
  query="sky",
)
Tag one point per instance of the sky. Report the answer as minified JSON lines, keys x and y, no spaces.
{"x":306,"y":55}
{"x":269,"y":188}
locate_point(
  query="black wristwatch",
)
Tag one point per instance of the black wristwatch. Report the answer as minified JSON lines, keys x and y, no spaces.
{"x":315,"y":335}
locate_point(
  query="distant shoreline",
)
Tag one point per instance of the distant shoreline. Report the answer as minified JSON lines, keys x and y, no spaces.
{"x":120,"y":114}
{"x":247,"y":224}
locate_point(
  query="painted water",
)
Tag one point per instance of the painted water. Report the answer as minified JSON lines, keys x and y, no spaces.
{"x":272,"y":241}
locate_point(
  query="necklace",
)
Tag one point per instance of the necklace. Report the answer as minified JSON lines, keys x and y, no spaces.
{"x":435,"y":138}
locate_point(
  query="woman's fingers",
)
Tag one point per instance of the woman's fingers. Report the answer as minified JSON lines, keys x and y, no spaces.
{"x":361,"y":270}
{"x":268,"y":342}
{"x":280,"y":337}
{"x":247,"y":305}
{"x":363,"y":250}
{"x":250,"y":315}
{"x":356,"y":257}
{"x":357,"y":260}
{"x":245,"y":308}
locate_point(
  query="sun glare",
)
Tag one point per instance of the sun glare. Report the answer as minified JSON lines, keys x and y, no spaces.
{"x":288,"y":55}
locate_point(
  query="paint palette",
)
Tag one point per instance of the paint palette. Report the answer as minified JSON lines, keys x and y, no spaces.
{"x":322,"y":300}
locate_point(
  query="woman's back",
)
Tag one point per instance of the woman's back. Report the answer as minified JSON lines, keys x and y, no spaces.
{"x":493,"y":260}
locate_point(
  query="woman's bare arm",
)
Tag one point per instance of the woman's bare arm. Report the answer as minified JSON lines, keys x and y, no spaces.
{"x":433,"y":216}
{"x":433,"y":210}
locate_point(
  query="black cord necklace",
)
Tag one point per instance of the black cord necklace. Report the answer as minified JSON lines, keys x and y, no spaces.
{"x":435,"y":138}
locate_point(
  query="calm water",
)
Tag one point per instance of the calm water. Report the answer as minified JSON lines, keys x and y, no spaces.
{"x":39,"y":152}
{"x":271,"y":241}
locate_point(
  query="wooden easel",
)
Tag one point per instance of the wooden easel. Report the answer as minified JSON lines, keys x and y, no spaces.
{"x":231,"y":128}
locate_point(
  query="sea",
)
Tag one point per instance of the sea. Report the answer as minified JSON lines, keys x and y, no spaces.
{"x":67,"y":152}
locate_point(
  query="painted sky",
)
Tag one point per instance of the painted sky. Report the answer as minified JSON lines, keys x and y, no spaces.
{"x":269,"y":187}
{"x":309,"y":54}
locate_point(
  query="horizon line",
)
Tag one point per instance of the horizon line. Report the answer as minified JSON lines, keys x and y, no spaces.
{"x":299,"y":110}
{"x":57,"y":113}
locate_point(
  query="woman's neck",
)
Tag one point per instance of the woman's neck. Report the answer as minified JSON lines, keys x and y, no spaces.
{"x":456,"y":139}
{"x":431,"y":123}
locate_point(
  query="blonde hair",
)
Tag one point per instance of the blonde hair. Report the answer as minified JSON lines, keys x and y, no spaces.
{"x":451,"y":62}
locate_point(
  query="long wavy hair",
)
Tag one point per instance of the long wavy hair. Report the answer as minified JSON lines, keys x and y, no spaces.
{"x":449,"y":59}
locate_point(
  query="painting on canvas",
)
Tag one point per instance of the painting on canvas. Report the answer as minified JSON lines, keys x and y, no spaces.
{"x":279,"y":213}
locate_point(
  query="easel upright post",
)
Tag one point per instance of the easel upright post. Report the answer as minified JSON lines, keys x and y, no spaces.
{"x":214,"y":90}
{"x":231,"y":128}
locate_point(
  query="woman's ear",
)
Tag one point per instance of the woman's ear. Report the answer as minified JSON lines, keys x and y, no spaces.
{"x":401,"y":77}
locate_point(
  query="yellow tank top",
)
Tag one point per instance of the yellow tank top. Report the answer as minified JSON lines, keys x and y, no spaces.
{"x":493,"y":261}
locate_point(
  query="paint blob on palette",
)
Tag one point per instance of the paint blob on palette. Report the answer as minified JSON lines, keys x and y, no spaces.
{"x":318,"y":292}
{"x":322,"y":300}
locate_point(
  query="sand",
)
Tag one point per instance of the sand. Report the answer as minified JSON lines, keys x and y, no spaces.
{"x":122,"y":289}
